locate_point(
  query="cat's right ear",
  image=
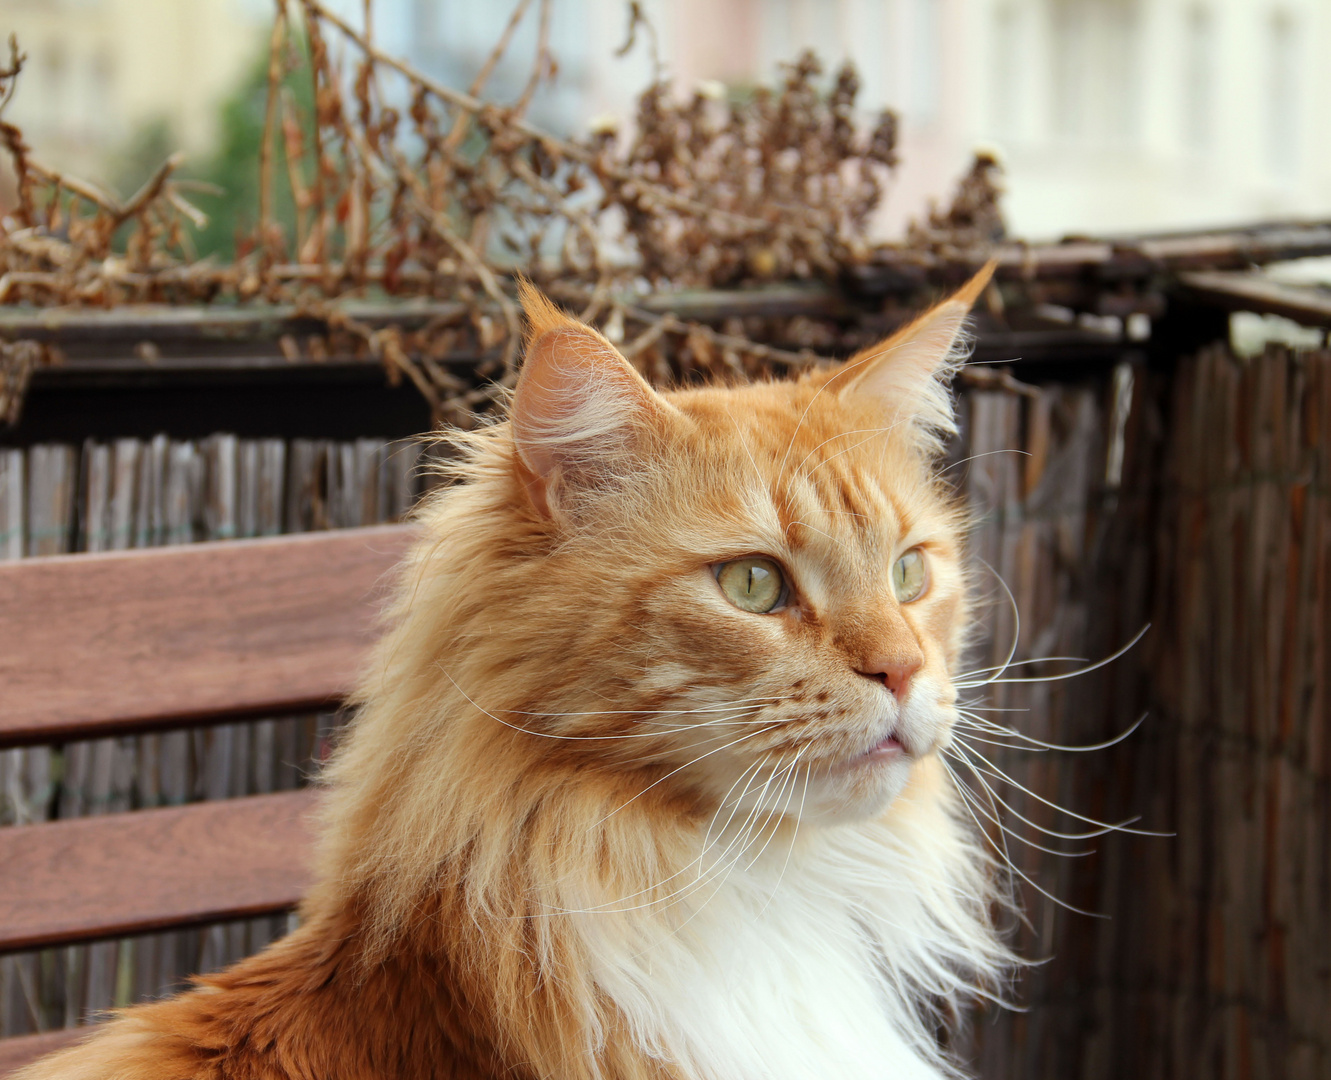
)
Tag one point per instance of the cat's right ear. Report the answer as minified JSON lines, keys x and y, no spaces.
{"x":580,"y":410}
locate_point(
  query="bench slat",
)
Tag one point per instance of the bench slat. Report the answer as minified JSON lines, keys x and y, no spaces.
{"x":108,"y":643}
{"x":25,"y":1049}
{"x":121,"y":874}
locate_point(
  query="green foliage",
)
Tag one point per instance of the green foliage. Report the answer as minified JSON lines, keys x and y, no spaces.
{"x":139,"y":158}
{"x":233,"y":167}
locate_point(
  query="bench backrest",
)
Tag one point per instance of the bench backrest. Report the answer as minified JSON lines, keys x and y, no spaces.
{"x":163,"y":637}
{"x":95,"y":645}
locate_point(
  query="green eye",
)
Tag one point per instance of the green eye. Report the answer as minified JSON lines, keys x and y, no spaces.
{"x":910,"y":576}
{"x":753,"y":584}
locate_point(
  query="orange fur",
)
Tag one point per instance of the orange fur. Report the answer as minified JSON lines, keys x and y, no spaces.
{"x":535,"y":766}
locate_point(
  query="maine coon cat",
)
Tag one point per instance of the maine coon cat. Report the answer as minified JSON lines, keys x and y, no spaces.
{"x":645,"y":779}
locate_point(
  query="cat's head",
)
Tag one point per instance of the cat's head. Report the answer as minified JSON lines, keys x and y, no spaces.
{"x":753,"y":594}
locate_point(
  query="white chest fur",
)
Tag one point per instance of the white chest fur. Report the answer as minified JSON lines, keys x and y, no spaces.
{"x":802,"y":969}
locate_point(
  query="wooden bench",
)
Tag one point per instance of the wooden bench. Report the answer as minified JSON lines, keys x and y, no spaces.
{"x":96,"y":645}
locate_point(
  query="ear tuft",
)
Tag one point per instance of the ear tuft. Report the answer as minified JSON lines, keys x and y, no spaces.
{"x":907,"y":376}
{"x":542,"y":315}
{"x":974,"y":288}
{"x":580,"y":412}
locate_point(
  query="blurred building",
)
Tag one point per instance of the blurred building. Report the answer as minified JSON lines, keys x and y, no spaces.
{"x":1116,"y":114}
{"x":98,"y":71}
{"x":1108,"y":114}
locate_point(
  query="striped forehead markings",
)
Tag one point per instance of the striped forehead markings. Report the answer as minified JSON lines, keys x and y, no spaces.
{"x":836,"y":507}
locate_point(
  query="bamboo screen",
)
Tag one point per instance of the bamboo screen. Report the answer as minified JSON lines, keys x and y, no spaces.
{"x":1215,"y":958}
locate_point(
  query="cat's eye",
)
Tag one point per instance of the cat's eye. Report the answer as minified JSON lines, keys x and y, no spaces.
{"x":752,"y":584}
{"x":910,"y":575}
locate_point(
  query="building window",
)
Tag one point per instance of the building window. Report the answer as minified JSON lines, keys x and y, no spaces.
{"x":1005,"y":70}
{"x":1283,"y":77}
{"x":926,"y":60}
{"x":1199,"y":84}
{"x":1069,"y":74}
{"x":1095,"y":70}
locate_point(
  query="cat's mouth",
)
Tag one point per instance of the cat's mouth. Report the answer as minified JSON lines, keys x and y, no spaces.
{"x":887,"y":749}
{"x":891,"y":747}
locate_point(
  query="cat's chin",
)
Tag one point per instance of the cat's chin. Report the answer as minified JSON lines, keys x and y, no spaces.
{"x":860,"y":789}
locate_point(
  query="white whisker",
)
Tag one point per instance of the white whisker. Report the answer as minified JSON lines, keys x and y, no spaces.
{"x":1004,"y":745}
{"x":1002,"y":851}
{"x":848,"y":449}
{"x":841,"y":435}
{"x":794,"y":835}
{"x":757,"y":768}
{"x":997,"y":800}
{"x":1016,"y":631}
{"x":687,"y":764}
{"x":791,"y":778}
{"x":998,"y":774}
{"x":1037,"y":743}
{"x":1066,"y":675}
{"x":757,"y":472}
{"x":1021,"y":663}
{"x":846,"y":367}
{"x":737,"y":703}
{"x":976,"y":457}
{"x":555,"y":735}
{"x":617,"y":905}
{"x":968,"y":794}
{"x":812,"y":528}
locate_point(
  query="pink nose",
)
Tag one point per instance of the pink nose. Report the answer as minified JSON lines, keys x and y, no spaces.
{"x":893,"y":672}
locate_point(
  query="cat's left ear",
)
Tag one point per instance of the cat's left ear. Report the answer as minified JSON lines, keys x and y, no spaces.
{"x":907,"y":376}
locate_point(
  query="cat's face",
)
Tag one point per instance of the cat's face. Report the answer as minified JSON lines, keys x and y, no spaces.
{"x":770,"y":573}
{"x":806,"y":596}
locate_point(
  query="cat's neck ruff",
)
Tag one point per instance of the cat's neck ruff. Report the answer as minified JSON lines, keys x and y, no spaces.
{"x":820,"y":955}
{"x":835,"y":949}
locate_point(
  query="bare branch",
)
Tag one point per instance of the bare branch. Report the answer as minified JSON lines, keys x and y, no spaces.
{"x":96,"y":195}
{"x":154,"y":186}
{"x":275,"y":41}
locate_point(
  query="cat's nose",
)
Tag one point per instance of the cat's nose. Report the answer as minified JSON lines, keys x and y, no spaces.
{"x":894,"y":672}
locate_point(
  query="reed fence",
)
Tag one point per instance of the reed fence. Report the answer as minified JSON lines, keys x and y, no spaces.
{"x":1196,"y":500}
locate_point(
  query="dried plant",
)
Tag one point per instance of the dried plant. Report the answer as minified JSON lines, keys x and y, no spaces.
{"x":973,"y":220}
{"x":406,"y":187}
{"x":56,"y":245}
{"x":780,"y":185}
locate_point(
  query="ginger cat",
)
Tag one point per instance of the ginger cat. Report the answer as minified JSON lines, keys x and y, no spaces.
{"x":644,"y":783}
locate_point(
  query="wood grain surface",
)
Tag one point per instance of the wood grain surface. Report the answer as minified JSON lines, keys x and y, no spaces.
{"x":98,"y":644}
{"x":20,"y":1051}
{"x":89,"y":878}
